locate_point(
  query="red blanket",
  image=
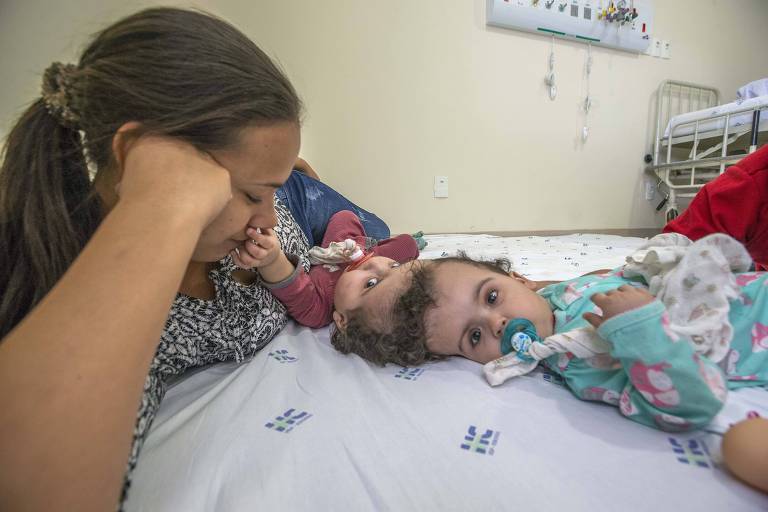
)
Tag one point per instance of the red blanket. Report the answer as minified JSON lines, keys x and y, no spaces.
{"x":736,"y":203}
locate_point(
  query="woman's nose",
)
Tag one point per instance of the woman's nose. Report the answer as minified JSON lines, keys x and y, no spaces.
{"x":264,"y":217}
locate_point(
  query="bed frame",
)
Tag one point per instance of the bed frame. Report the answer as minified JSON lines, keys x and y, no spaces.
{"x":683,"y":163}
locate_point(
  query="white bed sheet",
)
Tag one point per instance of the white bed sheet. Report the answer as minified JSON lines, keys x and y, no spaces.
{"x":713,"y":125}
{"x":369,"y":438}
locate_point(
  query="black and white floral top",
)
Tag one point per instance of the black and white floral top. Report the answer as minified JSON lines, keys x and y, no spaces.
{"x":238,"y":322}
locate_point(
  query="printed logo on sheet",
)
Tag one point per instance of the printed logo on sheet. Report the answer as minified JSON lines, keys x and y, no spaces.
{"x":283,"y":356}
{"x":693,"y":452}
{"x":553,"y":378}
{"x":409,"y":373}
{"x":289,"y":420}
{"x":483,"y":443}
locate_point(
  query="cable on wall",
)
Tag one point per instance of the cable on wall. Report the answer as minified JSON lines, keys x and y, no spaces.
{"x":550,"y":78}
{"x":588,"y":98}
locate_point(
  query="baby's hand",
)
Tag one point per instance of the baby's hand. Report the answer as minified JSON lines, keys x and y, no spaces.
{"x":262,"y":250}
{"x":616,"y":302}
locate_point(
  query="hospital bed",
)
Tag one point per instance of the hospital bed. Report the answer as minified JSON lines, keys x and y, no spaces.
{"x":302,"y":427}
{"x":696,"y":138}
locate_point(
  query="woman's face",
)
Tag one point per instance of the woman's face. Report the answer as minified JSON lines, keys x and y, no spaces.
{"x":258,"y":165}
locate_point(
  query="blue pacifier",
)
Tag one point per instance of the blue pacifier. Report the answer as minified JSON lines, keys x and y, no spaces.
{"x":519,"y":335}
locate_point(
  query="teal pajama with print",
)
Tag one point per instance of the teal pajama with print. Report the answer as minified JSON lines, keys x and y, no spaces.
{"x":653,"y":375}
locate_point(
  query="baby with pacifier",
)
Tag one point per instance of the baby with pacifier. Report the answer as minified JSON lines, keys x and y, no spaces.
{"x":662,"y":338}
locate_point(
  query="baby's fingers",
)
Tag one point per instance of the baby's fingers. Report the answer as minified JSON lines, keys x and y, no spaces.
{"x":236,"y":255}
{"x":253,"y":250}
{"x":264,"y":237}
{"x":593,"y":319}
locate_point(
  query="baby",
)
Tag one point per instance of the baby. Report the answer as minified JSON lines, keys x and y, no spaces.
{"x":461,"y":307}
{"x":365,"y":287}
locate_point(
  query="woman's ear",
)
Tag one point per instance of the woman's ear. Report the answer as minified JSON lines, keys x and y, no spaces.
{"x":121,"y":143}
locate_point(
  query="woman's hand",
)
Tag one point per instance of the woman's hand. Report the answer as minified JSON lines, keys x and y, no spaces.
{"x":174,"y":176}
{"x":615,"y":302}
{"x":302,"y":165}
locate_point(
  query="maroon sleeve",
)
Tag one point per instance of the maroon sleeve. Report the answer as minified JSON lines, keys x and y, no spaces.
{"x":343,"y":225}
{"x":308,"y":298}
{"x":400,"y":248}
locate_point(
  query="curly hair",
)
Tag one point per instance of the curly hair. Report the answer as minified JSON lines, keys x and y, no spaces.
{"x":405,"y":341}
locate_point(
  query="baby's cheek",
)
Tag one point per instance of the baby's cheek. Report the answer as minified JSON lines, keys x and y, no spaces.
{"x":490,"y":353}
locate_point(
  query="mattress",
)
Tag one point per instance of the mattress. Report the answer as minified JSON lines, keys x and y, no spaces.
{"x":302,"y":427}
{"x":738,"y":122}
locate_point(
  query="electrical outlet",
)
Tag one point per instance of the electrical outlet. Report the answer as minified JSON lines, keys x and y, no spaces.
{"x":441,"y":186}
{"x":654,"y":49}
{"x":666,"y":50}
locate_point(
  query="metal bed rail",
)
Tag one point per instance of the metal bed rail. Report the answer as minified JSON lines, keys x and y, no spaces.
{"x":673,"y":98}
{"x":683,"y":178}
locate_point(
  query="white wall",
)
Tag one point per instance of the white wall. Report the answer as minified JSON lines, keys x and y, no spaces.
{"x":399,"y":91}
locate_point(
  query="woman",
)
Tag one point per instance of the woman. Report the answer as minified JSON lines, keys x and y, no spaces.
{"x":190,"y":129}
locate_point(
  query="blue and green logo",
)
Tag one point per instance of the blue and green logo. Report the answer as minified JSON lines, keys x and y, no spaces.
{"x":289,"y":420}
{"x":693,"y":452}
{"x":283,"y":356}
{"x":409,"y":373}
{"x":484,"y":444}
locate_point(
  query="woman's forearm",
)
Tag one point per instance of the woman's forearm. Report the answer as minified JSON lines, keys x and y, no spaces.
{"x":72,"y":371}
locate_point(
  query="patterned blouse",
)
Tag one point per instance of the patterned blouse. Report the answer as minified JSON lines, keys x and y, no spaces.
{"x":237,"y":323}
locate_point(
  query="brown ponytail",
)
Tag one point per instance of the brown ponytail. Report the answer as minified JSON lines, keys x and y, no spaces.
{"x":47,"y":210}
{"x":179,"y":73}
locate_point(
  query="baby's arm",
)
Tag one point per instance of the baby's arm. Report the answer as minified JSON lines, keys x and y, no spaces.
{"x":264,"y":253}
{"x":342,"y":225}
{"x":400,"y":248}
{"x":306,"y":297}
{"x":670,"y":386}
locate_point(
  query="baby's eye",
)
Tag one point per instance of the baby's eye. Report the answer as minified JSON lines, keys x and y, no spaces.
{"x":395,"y":265}
{"x":492,"y":296}
{"x":252,"y":199}
{"x":372,"y":282}
{"x":474,"y":337}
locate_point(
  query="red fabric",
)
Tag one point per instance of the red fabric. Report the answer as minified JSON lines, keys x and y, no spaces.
{"x":736,"y":203}
{"x":309,"y":297}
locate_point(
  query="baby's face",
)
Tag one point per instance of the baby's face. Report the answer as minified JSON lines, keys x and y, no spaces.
{"x":473,"y":305}
{"x":371,"y":287}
